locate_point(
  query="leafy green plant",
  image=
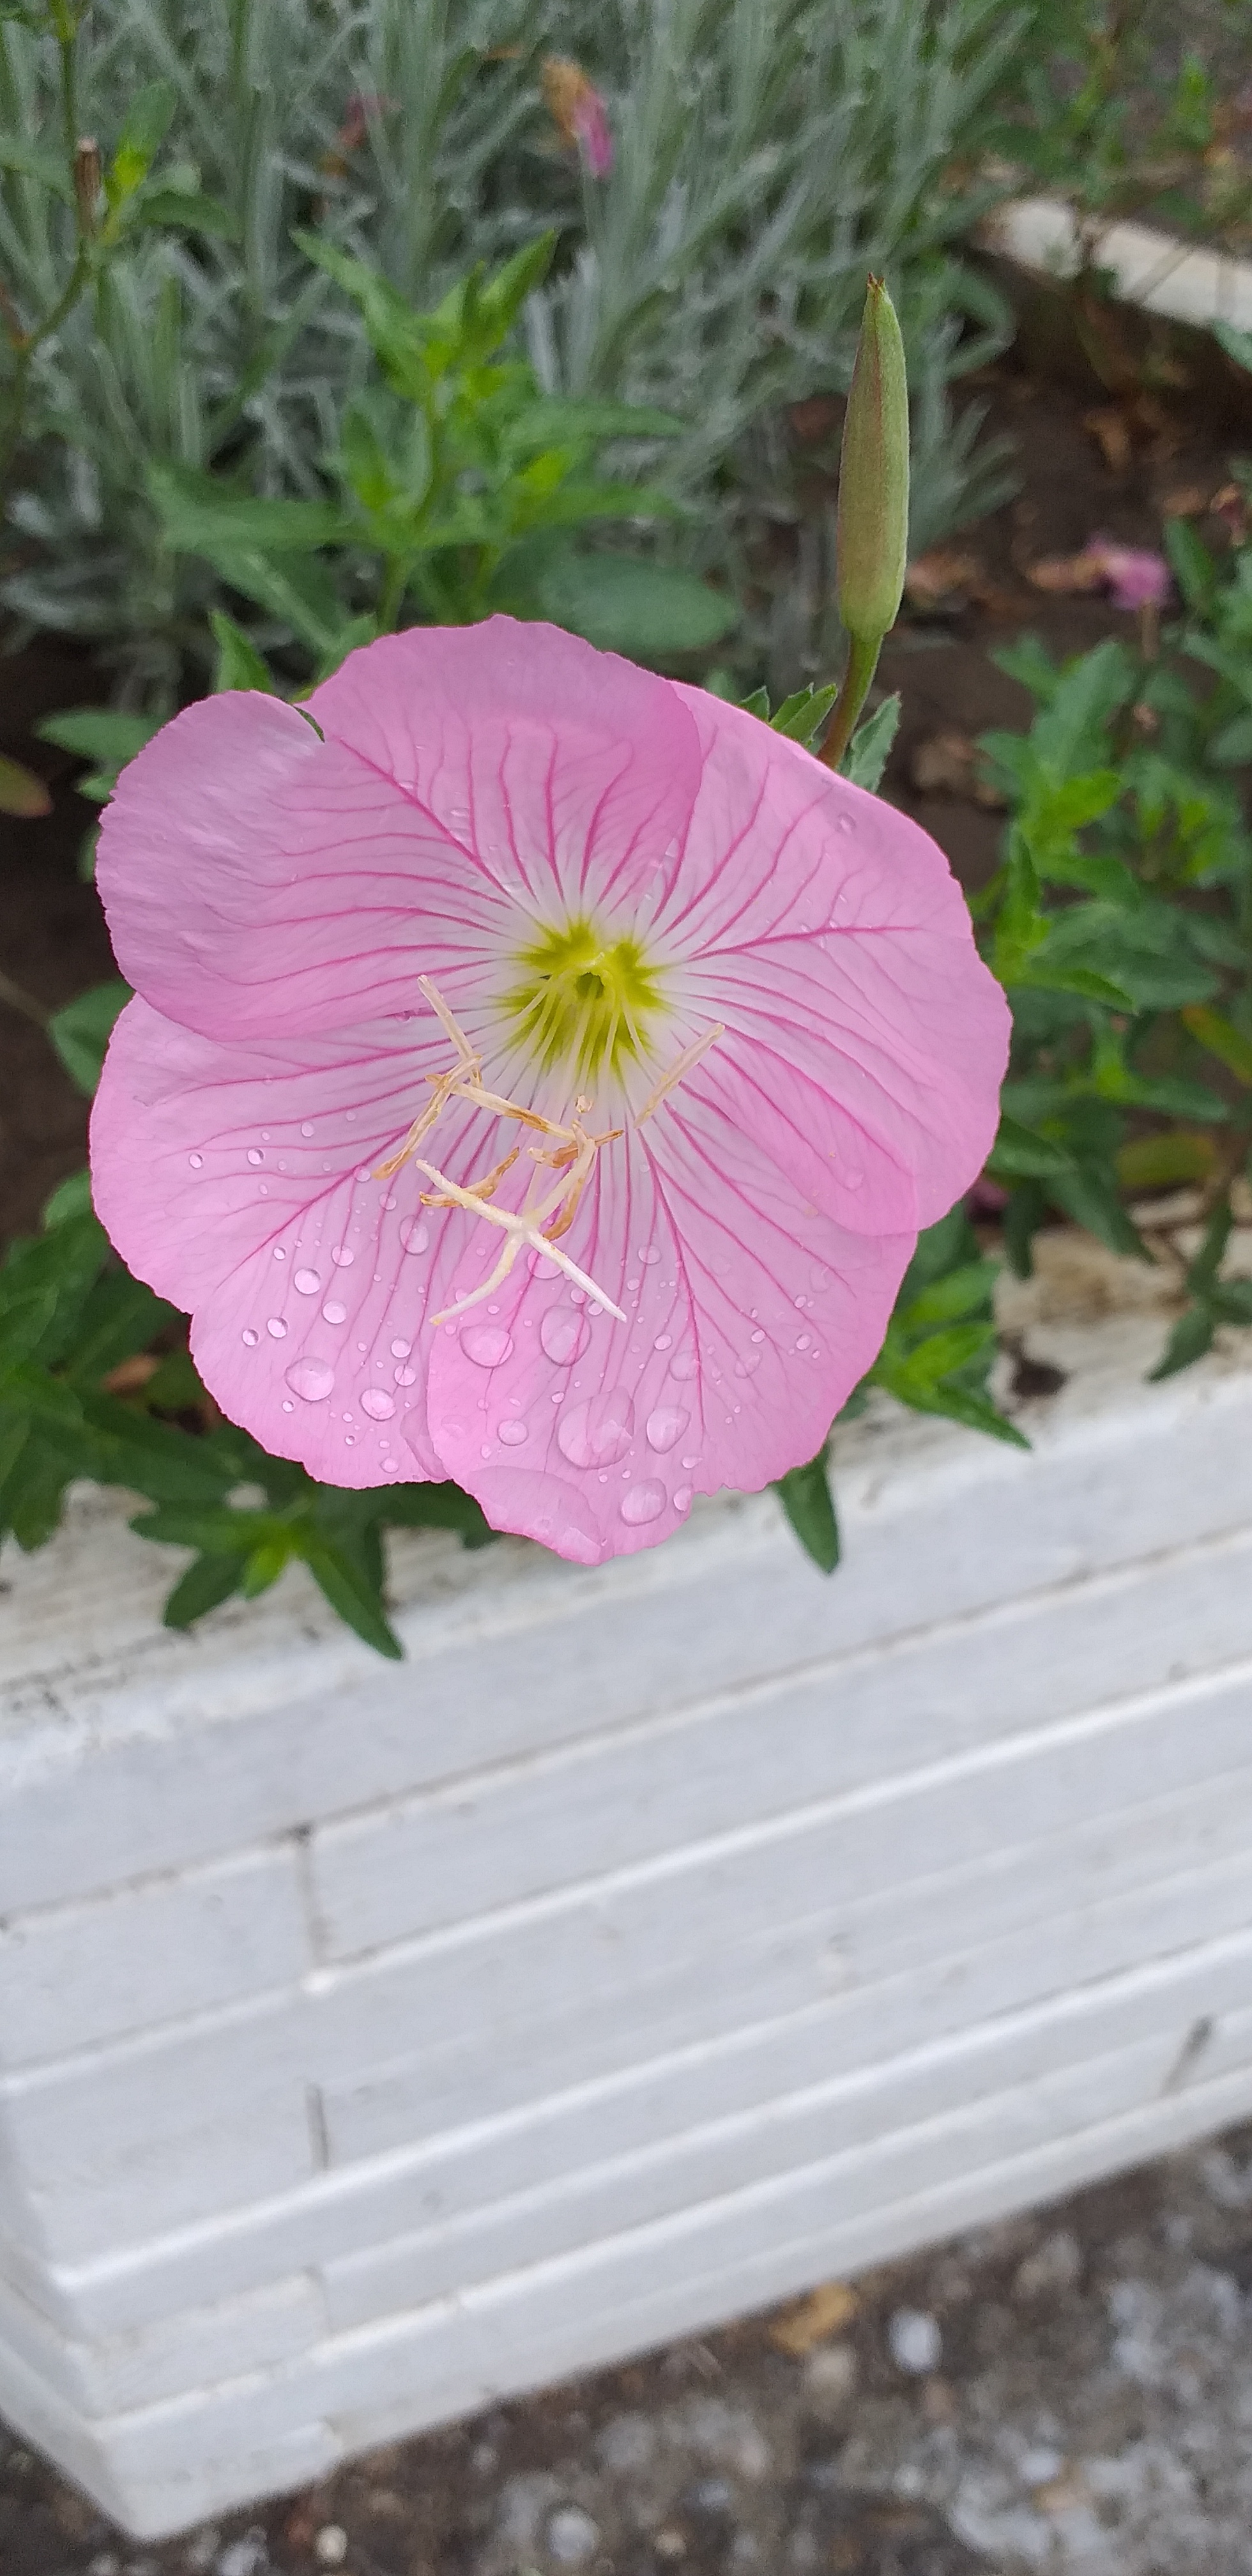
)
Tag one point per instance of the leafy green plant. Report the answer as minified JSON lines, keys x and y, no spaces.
{"x":766,"y":153}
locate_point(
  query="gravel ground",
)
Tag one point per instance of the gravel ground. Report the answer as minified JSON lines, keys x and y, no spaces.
{"x":1067,"y":2391}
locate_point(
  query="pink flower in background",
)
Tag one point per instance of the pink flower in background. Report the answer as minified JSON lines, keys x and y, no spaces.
{"x":1135,"y":578}
{"x":537,"y":1078}
{"x":579,"y":113}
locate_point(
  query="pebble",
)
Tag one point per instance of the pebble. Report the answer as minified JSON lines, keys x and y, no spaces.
{"x":573,"y":2537}
{"x":830,"y":2374}
{"x":915,"y":2341}
{"x":331,"y":2545}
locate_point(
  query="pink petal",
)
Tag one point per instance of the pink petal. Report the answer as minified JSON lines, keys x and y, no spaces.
{"x":567,"y":772}
{"x":240,"y":1184}
{"x":751,"y":1318}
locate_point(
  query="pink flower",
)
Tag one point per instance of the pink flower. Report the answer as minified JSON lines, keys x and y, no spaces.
{"x":1136,"y":578}
{"x":537,"y":1076}
{"x":579,"y":113}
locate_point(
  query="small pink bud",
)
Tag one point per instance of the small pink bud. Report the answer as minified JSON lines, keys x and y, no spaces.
{"x":1135,"y":578}
{"x":578,"y":113}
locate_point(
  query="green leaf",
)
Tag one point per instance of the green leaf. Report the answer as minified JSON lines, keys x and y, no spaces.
{"x":555,"y":420}
{"x":868,"y":752}
{"x":105,"y":735}
{"x":1020,"y":1154}
{"x":239,"y":665}
{"x":69,"y":1199}
{"x":27,"y":162}
{"x":1232,"y":747}
{"x":1088,"y":1194}
{"x":1191,"y":1337}
{"x":626,"y":606}
{"x":1221,"y":1038}
{"x":202,"y":516}
{"x":1192,"y":565}
{"x":81,"y":1032}
{"x":442,"y":1507}
{"x":21,"y":793}
{"x":1237,"y":344}
{"x":806,"y":1498}
{"x":185,"y":210}
{"x":1232,"y":1300}
{"x":801,"y":717}
{"x":148,"y":120}
{"x":957,"y":1292}
{"x":210,"y":1580}
{"x":499,"y":302}
{"x":350,"y":1594}
{"x":1078,"y":980}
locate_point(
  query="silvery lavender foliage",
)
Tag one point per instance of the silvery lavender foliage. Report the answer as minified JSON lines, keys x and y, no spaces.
{"x":767,"y":152}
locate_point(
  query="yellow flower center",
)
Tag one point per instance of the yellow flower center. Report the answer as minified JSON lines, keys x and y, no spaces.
{"x":583,"y":1002}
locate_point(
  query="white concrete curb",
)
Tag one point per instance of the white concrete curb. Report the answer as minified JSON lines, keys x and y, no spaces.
{"x":1151,"y":269}
{"x":378,"y":2041}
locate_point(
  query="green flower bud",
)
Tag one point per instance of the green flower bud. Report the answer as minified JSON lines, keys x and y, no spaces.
{"x":873,"y":520}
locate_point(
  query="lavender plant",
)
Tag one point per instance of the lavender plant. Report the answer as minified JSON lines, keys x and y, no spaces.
{"x":764,"y":154}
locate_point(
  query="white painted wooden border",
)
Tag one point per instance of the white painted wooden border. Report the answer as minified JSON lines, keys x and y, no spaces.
{"x":1154,"y":270}
{"x":377,"y":2041}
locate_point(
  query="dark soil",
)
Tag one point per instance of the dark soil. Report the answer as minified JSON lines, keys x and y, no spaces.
{"x":1066,"y":2391}
{"x":54,"y":943}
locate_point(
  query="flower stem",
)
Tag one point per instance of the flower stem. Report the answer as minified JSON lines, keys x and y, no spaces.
{"x":862,"y":663}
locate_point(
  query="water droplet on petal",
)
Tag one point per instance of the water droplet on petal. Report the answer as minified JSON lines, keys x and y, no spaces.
{"x":342,"y":1255}
{"x":196,"y":1161}
{"x":748,"y":1366}
{"x":288,"y":1406}
{"x":542,"y":1268}
{"x":276,"y":1327}
{"x":564,"y":1334}
{"x":334,"y":1313}
{"x":401,"y":1350}
{"x":804,"y":1341}
{"x":682,"y":1499}
{"x":665,"y":1426}
{"x":414,"y":1235}
{"x":854,"y":1180}
{"x":486,"y":1344}
{"x":405,"y":1377}
{"x":279,"y":1254}
{"x":512,"y":1434}
{"x":313,"y":1379}
{"x":597,"y":1433}
{"x":378,"y":1404}
{"x":684,"y":1365}
{"x":255,"y":1155}
{"x":307,"y":1128}
{"x":845,"y":822}
{"x":307,"y":1282}
{"x":643,"y":1503}
{"x":648,"y":1253}
{"x":250,"y":1337}
{"x":663,"y":1342}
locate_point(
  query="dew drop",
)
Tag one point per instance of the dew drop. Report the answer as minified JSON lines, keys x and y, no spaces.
{"x":663,"y":1341}
{"x":307,"y":1128}
{"x":748,"y":1365}
{"x":542,"y":1268}
{"x":689,"y":1463}
{"x":307,"y":1282}
{"x":665,"y":1426}
{"x":313,"y":1379}
{"x":276,"y":1328}
{"x":196,"y":1161}
{"x":279,"y":1254}
{"x":845,"y":822}
{"x":343,"y":1256}
{"x":854,"y":1180}
{"x":406,"y":1377}
{"x":288,"y":1406}
{"x":683,"y":1366}
{"x":401,"y":1350}
{"x":388,"y":1199}
{"x":648,"y":1253}
{"x":378,"y":1404}
{"x":804,"y":1341}
{"x":349,"y":1440}
{"x":643,"y":1503}
{"x":255,"y":1155}
{"x":486,"y":1344}
{"x":250,"y":1337}
{"x":414,"y":1235}
{"x":563,"y":1334}
{"x":512,"y":1434}
{"x":597,"y":1433}
{"x":334,"y":1313}
{"x":682,"y":1499}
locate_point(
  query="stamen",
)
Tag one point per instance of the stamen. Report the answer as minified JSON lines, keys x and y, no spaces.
{"x":681,"y":1065}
